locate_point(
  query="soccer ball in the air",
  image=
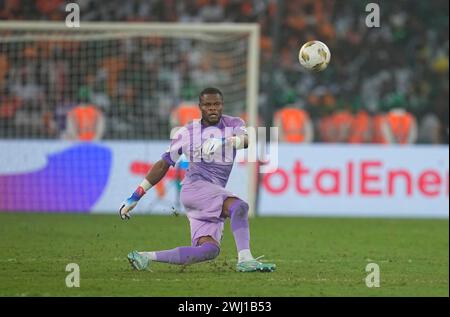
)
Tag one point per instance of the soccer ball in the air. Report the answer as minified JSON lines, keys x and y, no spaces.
{"x":314,"y":56}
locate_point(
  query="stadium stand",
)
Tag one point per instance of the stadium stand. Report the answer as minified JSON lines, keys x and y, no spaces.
{"x":410,"y":63}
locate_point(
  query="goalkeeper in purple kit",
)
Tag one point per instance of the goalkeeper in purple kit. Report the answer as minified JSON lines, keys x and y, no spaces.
{"x":210,"y":146}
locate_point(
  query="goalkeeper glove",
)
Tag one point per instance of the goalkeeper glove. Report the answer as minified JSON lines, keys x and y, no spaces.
{"x":211,"y":145}
{"x":131,"y":202}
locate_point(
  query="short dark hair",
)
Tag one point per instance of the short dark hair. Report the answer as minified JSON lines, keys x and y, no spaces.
{"x":210,"y":91}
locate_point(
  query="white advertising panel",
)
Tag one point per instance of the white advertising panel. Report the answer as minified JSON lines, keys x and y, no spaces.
{"x":352,"y":180}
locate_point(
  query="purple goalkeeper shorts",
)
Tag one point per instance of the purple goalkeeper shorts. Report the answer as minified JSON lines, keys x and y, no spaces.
{"x":203,"y":202}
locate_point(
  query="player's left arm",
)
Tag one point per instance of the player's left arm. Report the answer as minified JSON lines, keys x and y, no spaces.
{"x":211,"y":145}
{"x":239,"y":140}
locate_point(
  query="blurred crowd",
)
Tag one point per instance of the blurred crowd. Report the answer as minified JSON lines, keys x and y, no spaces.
{"x":375,"y":73}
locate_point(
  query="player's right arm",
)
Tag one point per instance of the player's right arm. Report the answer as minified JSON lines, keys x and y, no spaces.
{"x":155,"y":174}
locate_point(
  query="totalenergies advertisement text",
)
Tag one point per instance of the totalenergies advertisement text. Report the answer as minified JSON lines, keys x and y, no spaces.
{"x":358,"y":181}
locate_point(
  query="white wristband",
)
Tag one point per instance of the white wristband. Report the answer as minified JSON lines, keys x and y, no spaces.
{"x":146,"y":184}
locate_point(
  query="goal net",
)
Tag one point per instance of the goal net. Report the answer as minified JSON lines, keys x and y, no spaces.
{"x":134,"y":74}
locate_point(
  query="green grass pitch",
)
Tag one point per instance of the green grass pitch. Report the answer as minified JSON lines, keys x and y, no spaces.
{"x":314,"y":257}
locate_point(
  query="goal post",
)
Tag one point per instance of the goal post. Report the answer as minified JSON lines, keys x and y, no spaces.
{"x":154,"y":67}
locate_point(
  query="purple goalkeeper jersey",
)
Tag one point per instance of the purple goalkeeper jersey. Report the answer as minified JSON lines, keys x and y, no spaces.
{"x":188,"y":141}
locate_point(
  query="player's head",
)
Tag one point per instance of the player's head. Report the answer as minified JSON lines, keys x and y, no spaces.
{"x":211,"y":105}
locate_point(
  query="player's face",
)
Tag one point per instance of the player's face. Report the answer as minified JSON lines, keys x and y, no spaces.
{"x":211,"y":106}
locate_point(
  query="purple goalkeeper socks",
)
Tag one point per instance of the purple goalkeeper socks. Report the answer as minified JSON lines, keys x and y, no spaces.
{"x":187,"y":255}
{"x":239,"y":224}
